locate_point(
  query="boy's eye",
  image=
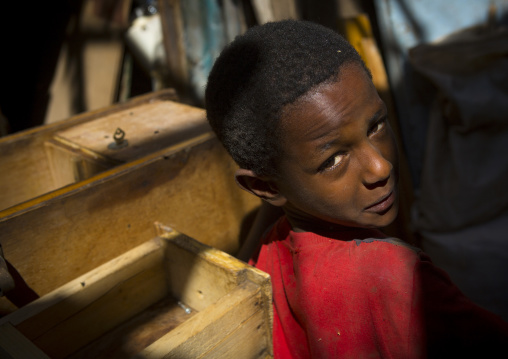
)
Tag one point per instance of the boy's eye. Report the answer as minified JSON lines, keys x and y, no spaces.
{"x":332,"y":162}
{"x":378,"y":126}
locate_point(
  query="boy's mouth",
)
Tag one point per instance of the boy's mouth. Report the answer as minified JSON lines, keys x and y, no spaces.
{"x":382,"y":205}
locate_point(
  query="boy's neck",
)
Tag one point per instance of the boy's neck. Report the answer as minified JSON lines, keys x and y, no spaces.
{"x":317,"y":226}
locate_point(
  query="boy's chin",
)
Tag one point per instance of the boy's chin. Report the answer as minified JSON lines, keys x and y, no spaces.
{"x":375,"y":220}
{"x":385,"y":219}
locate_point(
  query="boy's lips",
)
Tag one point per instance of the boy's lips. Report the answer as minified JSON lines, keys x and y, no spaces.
{"x":382,"y":204}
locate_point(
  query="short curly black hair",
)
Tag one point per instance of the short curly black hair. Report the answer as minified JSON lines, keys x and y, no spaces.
{"x":258,"y":74}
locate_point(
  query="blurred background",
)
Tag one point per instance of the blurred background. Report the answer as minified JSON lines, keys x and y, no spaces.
{"x":441,"y":67}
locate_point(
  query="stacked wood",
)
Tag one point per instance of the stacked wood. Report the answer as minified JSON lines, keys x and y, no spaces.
{"x":170,"y":297}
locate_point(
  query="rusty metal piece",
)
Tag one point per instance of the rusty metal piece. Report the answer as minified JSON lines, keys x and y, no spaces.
{"x":120,"y":141}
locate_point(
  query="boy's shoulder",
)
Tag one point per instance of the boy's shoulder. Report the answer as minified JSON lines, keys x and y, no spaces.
{"x":388,"y":242}
{"x":387,"y":254}
{"x":359,"y":238}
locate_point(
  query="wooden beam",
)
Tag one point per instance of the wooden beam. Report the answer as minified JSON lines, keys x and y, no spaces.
{"x":271,"y":10}
{"x":173,"y":34}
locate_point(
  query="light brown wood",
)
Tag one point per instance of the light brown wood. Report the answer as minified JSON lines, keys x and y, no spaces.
{"x":148,"y":127}
{"x":70,"y":163}
{"x":192,"y":339}
{"x":43,"y":314}
{"x":285,"y":9}
{"x":234,"y":18}
{"x":108,"y":304}
{"x":131,"y":337}
{"x":189,"y":272}
{"x":123,"y":301}
{"x":251,"y":336}
{"x":82,"y":151}
{"x":66,"y":233}
{"x":90,"y":79}
{"x":271,"y":10}
{"x":174,"y":44}
{"x":25,"y":171}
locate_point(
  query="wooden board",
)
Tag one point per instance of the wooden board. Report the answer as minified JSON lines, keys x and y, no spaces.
{"x":127,"y":307}
{"x":173,"y":35}
{"x":190,"y":186}
{"x":148,"y":127}
{"x":82,"y":151}
{"x":270,"y":10}
{"x":25,"y":171}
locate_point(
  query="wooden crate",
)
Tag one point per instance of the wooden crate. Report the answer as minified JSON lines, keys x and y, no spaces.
{"x":61,"y":235}
{"x":134,"y":305}
{"x":43,"y":159}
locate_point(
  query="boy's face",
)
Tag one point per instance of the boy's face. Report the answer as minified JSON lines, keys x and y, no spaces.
{"x":340,"y":163}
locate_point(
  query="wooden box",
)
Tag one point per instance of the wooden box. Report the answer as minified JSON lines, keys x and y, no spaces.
{"x":46,"y":158}
{"x":58,"y":236}
{"x":135,"y":306}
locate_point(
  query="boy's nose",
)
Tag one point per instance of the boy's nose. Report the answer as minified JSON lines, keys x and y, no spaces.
{"x":376,"y":168}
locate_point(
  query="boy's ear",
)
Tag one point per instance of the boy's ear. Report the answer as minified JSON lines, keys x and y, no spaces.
{"x":259,"y":186}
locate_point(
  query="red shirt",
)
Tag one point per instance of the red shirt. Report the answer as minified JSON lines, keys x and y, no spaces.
{"x":361,"y":295}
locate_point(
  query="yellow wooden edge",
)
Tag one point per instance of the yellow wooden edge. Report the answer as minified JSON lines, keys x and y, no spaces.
{"x":245,"y":272}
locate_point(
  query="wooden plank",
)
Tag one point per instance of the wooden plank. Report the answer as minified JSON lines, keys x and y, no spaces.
{"x":122,"y":302}
{"x":69,"y":163}
{"x":271,"y":10}
{"x":13,"y":345}
{"x":196,"y":337}
{"x":88,"y":307}
{"x":137,"y":333}
{"x":263,"y":11}
{"x":206,"y":286}
{"x":25,"y":172}
{"x":253,"y":339}
{"x":174,"y":44}
{"x":148,"y":127}
{"x":235,"y":22}
{"x":24,"y":168}
{"x":82,"y":151}
{"x":97,"y":37}
{"x":284,"y":9}
{"x":45,"y":313}
{"x":200,"y":275}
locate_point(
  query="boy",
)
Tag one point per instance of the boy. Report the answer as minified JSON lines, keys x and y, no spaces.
{"x":294,"y":105}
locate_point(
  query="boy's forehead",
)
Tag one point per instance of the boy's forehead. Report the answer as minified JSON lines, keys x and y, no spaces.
{"x":330,"y":106}
{"x":318,"y":96}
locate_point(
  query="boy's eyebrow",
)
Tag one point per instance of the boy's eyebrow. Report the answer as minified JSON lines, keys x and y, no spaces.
{"x":323,"y":147}
{"x":381,"y":113}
